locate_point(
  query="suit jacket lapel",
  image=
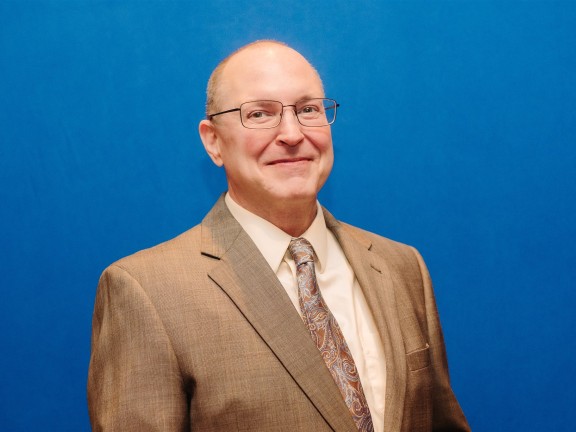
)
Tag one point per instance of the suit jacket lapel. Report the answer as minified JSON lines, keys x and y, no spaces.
{"x":243,"y":273}
{"x":377,"y":285}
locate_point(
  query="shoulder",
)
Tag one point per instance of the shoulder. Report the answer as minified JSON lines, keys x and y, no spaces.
{"x":384,"y":246}
{"x":378,"y":241}
{"x":164,"y":257}
{"x":367,"y":238}
{"x":188,"y":248}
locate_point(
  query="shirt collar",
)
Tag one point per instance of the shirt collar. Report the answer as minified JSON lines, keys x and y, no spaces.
{"x":273,"y":242}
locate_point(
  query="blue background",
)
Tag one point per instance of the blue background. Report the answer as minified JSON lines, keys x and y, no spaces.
{"x":456,"y":134}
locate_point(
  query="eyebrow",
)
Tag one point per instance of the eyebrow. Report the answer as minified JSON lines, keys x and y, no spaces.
{"x":305,"y":97}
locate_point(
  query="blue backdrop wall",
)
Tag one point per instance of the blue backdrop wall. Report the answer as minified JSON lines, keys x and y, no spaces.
{"x":456,"y":135}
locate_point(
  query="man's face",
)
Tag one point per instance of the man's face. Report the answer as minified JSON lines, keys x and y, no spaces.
{"x":270,"y":167}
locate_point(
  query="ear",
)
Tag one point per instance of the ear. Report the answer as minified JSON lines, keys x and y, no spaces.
{"x":211,"y":141}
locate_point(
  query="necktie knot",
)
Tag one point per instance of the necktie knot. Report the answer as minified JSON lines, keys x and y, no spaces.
{"x":301,"y":250}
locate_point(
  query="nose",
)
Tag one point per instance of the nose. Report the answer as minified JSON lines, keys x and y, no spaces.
{"x":290,"y":129}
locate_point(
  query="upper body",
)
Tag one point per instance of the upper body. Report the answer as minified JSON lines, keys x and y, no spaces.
{"x":200,"y":333}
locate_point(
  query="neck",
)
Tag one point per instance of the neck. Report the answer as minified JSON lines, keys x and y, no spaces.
{"x":293,"y":217}
{"x":293,"y":220}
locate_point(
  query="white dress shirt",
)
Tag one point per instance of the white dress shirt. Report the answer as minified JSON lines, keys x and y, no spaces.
{"x":339,"y":288}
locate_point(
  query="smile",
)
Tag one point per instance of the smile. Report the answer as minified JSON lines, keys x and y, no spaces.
{"x":289,"y":161}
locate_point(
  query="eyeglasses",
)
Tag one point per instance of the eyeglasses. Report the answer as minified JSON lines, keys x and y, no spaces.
{"x":267,"y":114}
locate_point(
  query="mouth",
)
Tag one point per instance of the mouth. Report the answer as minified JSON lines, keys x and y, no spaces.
{"x":289,"y":161}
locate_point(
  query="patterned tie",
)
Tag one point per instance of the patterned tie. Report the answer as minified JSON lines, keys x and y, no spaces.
{"x":327,"y":335}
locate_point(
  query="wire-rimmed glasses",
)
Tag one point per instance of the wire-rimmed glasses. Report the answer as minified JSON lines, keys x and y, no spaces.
{"x":267,"y":114}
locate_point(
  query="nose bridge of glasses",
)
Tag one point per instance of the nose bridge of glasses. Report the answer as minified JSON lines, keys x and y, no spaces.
{"x":294,"y":111}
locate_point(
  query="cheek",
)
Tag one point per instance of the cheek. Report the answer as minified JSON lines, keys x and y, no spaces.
{"x":239,"y":146}
{"x":322,"y":139}
{"x":327,"y":150}
{"x":328,"y":162}
{"x":253,"y":148}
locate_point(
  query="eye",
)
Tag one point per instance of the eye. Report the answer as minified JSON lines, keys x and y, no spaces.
{"x":256,"y":114}
{"x":259,"y":115}
{"x":309,"y":109}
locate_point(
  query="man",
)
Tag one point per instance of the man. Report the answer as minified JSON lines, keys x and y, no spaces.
{"x":270,"y":315}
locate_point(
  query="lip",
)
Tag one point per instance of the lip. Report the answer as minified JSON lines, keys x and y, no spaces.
{"x":289,"y":161}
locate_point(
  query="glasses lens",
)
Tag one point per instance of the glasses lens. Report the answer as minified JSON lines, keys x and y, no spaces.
{"x":316,"y":112}
{"x":261,"y":114}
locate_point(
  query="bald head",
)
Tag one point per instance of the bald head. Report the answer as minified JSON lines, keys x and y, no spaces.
{"x":247,"y":56}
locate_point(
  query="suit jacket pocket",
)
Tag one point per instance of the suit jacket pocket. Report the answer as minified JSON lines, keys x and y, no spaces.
{"x":418,"y":359}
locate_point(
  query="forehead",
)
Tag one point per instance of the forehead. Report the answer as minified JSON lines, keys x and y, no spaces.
{"x":269,"y":71}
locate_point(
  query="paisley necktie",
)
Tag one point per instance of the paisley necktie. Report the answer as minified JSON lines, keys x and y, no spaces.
{"x":327,"y":335}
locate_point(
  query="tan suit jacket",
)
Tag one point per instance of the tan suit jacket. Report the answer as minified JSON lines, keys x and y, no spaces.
{"x":198,"y":334}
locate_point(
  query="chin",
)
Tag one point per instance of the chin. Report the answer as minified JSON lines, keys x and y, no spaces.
{"x":297,"y":195}
{"x":297,"y":189}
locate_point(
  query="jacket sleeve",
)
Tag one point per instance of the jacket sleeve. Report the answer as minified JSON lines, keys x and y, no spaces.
{"x":447,"y":414}
{"x":134,"y":382}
